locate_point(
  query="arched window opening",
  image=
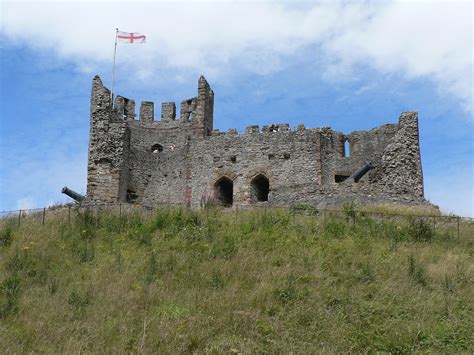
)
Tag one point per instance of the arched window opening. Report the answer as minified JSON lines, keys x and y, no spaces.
{"x":347,"y":149}
{"x":156,"y":148}
{"x":224,"y":191}
{"x":260,"y":188}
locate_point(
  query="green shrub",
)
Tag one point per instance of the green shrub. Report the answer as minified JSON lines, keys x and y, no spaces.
{"x":86,"y":223}
{"x":151,"y":269}
{"x":365,"y":274}
{"x":420,"y":229}
{"x":286,"y":294}
{"x":216,"y":280}
{"x":6,"y":235}
{"x":112,"y":223}
{"x":181,"y":218}
{"x":416,"y":271}
{"x":264,"y":327}
{"x":392,"y":232}
{"x":171,"y":262}
{"x":78,"y":301}
{"x":84,"y":250}
{"x":335,"y":229}
{"x":9,"y":290}
{"x":139,"y":231}
{"x":225,"y":248}
{"x":28,"y":264}
{"x":161,"y":219}
{"x":290,"y":291}
{"x":350,"y":209}
{"x":273,"y":220}
{"x":17,"y":262}
{"x":53,"y":285}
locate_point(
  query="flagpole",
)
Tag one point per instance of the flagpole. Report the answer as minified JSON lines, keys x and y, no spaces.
{"x":113,"y":69}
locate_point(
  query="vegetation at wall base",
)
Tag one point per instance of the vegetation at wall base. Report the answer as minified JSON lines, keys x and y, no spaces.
{"x":256,"y":281}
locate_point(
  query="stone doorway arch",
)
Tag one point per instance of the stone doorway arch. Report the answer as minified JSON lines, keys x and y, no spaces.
{"x":260,"y":188}
{"x":224,"y":191}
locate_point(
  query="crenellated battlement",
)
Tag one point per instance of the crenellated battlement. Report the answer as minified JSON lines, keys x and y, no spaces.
{"x":168,"y":111}
{"x":197,"y":110}
{"x":178,"y":157}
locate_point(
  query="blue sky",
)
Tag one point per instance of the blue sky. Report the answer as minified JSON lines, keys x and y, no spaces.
{"x":347,"y":65}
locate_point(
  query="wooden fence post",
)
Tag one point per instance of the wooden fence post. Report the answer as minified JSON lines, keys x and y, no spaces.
{"x":19,"y":218}
{"x":44,"y":214}
{"x":458,"y":225}
{"x":120,"y":217}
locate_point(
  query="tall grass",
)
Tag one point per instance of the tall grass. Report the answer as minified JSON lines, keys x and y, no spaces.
{"x":263,"y":281}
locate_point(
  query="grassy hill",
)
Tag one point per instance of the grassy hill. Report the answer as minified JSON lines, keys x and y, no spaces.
{"x":212,"y":281}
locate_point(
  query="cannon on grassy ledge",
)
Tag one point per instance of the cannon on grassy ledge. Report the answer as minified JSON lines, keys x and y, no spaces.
{"x":73,"y":194}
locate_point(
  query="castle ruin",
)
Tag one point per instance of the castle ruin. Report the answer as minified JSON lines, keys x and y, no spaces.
{"x":185,"y":161}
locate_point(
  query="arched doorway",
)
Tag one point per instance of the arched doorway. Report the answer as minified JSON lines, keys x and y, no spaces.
{"x":224,"y":191}
{"x":260,"y":187}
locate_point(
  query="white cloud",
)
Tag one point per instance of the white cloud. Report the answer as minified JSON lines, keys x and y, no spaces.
{"x":420,"y":39}
{"x":26,"y":203}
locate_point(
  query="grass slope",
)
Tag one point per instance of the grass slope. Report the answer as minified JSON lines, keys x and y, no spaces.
{"x":212,"y":281}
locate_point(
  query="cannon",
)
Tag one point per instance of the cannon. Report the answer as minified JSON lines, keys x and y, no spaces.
{"x":73,"y":194}
{"x":361,"y":172}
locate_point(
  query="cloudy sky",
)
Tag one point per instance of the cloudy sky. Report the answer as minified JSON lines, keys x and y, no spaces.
{"x":349,"y":65}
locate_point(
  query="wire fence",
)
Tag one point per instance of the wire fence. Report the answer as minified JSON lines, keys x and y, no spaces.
{"x":454,"y":226}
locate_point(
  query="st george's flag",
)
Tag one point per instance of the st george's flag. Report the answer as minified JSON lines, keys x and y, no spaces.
{"x":130,"y":38}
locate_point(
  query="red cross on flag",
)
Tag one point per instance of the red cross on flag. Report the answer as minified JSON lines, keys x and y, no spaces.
{"x":130,"y":38}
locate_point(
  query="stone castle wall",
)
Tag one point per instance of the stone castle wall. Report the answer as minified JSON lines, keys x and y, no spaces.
{"x":183,"y":160}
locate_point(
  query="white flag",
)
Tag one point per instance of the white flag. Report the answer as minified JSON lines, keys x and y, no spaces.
{"x":130,"y":38}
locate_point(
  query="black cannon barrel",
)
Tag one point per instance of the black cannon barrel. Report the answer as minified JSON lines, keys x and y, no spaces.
{"x":362,"y":171}
{"x":73,"y":194}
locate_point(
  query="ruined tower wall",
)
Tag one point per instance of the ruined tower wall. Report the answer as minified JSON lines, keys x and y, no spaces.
{"x":401,"y":171}
{"x":203,"y":116}
{"x":108,"y":149}
{"x":363,"y":146}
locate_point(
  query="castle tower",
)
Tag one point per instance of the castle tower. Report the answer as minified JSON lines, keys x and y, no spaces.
{"x":203,"y":120}
{"x":401,"y":160}
{"x":108,"y":145}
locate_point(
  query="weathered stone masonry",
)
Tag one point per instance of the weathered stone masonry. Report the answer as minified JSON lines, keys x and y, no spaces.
{"x":184,"y":160}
